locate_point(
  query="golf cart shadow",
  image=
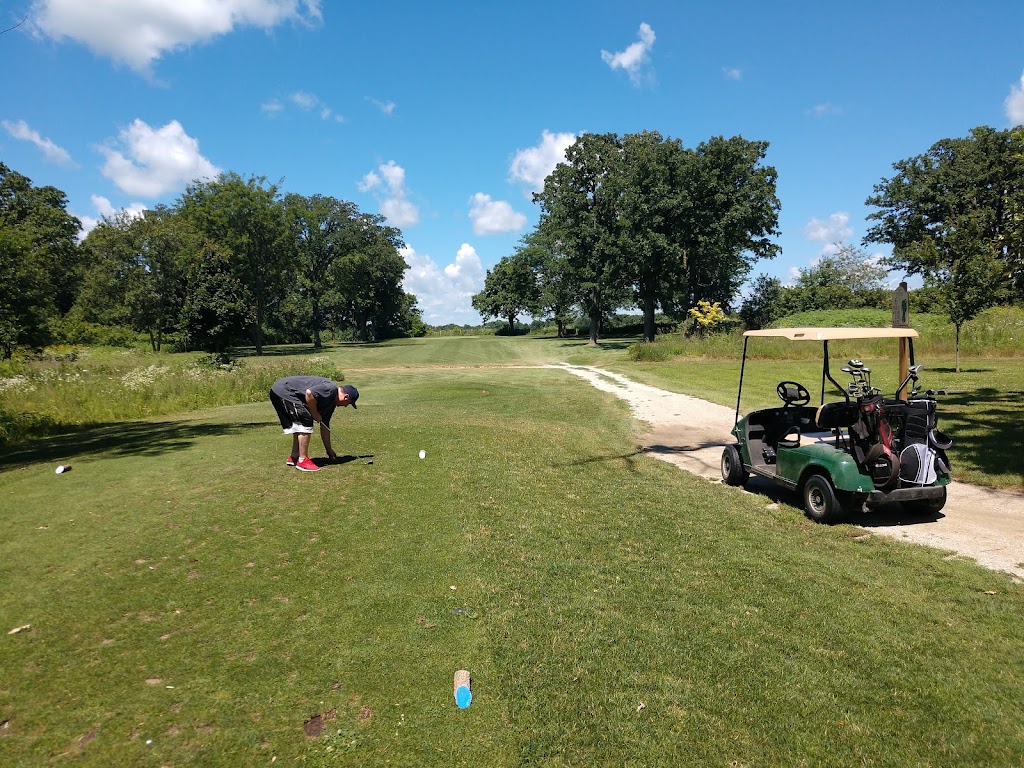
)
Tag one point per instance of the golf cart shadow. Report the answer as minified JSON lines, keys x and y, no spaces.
{"x":883,"y":517}
{"x":894,"y":514}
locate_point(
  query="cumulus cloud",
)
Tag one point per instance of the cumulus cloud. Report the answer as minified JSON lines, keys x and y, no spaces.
{"x":445,"y":295}
{"x":492,"y":217}
{"x":388,"y":184}
{"x":635,"y":59}
{"x":105,"y":210}
{"x":151,"y":162}
{"x":138,"y":32}
{"x":1015,"y":103}
{"x":55,"y":154}
{"x":829,"y":233}
{"x":732,"y":73}
{"x":532,"y":165}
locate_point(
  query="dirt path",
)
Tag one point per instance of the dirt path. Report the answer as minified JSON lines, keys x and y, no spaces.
{"x":982,"y":524}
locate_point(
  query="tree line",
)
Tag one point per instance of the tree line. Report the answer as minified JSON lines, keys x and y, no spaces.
{"x":640,"y":221}
{"x":626,"y":221}
{"x":232,"y":260}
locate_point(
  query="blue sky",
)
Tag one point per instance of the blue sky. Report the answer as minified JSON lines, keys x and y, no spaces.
{"x":445,"y":116}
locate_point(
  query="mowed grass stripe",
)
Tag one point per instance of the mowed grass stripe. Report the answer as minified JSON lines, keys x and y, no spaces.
{"x":612,"y":609}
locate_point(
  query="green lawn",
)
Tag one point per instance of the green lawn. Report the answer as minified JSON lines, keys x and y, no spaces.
{"x":194,"y":602}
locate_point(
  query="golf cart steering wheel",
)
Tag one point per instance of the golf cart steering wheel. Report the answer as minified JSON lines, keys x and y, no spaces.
{"x":792,"y":393}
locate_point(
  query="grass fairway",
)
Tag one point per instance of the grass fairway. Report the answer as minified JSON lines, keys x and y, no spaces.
{"x":194,"y":602}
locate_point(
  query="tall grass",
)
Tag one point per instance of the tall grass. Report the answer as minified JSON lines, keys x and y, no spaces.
{"x":103,"y":385}
{"x":997,"y":332}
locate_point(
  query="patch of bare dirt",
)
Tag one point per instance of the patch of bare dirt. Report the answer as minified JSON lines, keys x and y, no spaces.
{"x":979,"y":523}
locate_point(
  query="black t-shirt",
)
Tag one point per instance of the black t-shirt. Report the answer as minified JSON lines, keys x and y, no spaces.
{"x":325,"y":392}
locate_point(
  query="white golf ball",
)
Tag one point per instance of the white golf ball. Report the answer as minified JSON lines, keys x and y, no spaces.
{"x":423,"y":454}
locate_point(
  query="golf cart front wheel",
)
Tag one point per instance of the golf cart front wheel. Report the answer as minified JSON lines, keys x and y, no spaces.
{"x":821,"y":502}
{"x":733,"y":471}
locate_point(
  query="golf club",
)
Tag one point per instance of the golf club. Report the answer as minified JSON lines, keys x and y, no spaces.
{"x":345,"y":445}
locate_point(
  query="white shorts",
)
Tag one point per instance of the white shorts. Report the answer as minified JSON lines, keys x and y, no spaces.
{"x":298,"y":429}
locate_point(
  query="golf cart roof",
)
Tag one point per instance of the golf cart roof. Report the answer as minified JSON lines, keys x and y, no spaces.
{"x":827,"y":334}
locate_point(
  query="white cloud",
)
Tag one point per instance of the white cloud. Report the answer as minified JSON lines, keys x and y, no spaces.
{"x":824,"y":110}
{"x":634,"y":60}
{"x":829,"y":233}
{"x":106,"y":210}
{"x":732,"y":73}
{"x":1015,"y":103}
{"x":304,"y":100}
{"x":138,"y":32}
{"x":368,"y":182}
{"x":388,"y":183}
{"x":387,"y":107}
{"x":445,"y":296}
{"x":492,"y":217}
{"x":150,"y":163}
{"x":532,"y":165}
{"x":21,"y":130}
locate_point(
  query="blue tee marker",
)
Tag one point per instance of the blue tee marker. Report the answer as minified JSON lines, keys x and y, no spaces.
{"x":463,"y":695}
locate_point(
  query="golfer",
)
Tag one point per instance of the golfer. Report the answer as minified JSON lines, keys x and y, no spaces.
{"x":302,"y":400}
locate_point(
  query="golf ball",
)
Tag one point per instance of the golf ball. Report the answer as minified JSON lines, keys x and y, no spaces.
{"x":423,"y":454}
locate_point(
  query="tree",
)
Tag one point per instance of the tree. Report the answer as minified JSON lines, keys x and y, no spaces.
{"x":322,"y":231}
{"x":954,"y":214}
{"x":969,"y":278}
{"x":217,"y":306}
{"x":706,"y":316}
{"x":367,"y":280}
{"x":243,"y":218}
{"x":557,"y":286}
{"x":846,"y":279}
{"x":762,"y":306}
{"x":654,"y":203}
{"x":733,"y":212}
{"x":39,"y":260}
{"x":510,"y":289}
{"x":580,"y":215}
{"x":136,"y":272}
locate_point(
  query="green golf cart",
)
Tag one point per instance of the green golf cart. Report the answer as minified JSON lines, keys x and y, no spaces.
{"x":856,"y":451}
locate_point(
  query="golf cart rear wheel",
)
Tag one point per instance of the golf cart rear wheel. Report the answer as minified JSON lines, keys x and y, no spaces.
{"x":821,"y":502}
{"x":733,"y":471}
{"x":927,"y":506}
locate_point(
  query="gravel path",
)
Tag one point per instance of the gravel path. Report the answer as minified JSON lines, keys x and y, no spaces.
{"x":982,"y":524}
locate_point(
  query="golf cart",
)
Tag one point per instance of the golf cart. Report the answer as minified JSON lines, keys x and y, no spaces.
{"x":859,"y":451}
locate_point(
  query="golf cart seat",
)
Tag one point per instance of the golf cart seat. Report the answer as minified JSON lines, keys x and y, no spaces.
{"x":836,"y":416}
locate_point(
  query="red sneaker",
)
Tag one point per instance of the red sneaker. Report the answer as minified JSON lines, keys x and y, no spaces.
{"x":307,"y":465}
{"x":291,"y":461}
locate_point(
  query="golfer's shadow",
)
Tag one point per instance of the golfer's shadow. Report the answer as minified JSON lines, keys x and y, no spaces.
{"x":327,"y":461}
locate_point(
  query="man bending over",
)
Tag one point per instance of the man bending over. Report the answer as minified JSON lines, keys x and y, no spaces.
{"x":302,"y":400}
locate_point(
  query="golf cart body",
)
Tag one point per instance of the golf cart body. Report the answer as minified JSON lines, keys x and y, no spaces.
{"x":857,"y":450}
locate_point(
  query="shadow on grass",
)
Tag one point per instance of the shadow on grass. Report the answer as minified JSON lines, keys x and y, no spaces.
{"x":987,"y":427}
{"x":133,"y":438}
{"x":297,"y":350}
{"x":327,"y":461}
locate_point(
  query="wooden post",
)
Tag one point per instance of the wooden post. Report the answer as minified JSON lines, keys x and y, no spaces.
{"x":463,"y":695}
{"x":901,"y":319}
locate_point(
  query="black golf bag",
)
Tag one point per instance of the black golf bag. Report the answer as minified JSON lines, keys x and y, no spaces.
{"x":872,"y":439}
{"x":922,"y":448}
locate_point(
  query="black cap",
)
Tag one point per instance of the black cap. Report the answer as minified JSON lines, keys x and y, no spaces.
{"x":352,"y":392}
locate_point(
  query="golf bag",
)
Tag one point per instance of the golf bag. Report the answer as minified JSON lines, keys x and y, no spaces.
{"x":871,"y":436}
{"x":922,"y":446}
